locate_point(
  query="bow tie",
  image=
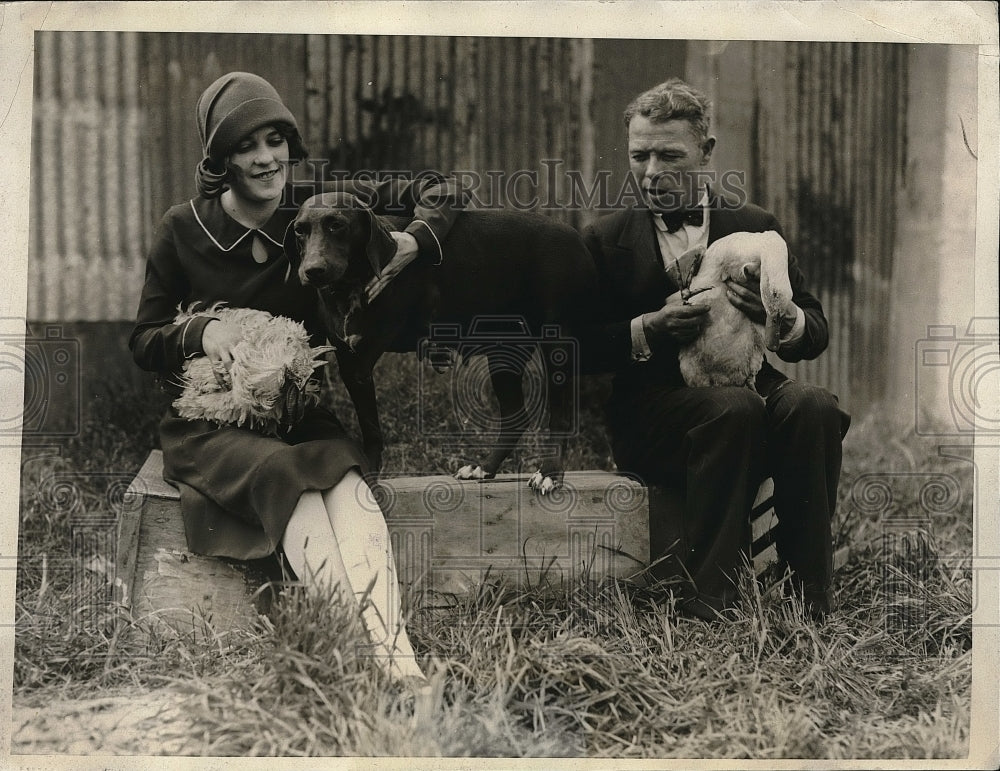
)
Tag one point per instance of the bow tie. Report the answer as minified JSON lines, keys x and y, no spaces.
{"x":675,"y":220}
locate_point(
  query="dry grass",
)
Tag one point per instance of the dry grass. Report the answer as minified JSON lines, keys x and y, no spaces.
{"x":601,"y":671}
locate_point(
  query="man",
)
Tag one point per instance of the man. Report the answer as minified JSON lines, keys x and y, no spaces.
{"x":713,"y":445}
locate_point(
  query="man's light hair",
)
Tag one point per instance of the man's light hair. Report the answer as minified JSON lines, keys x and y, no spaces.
{"x":673,"y":100}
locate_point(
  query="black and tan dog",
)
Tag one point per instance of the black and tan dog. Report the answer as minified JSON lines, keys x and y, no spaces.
{"x":518,"y":266}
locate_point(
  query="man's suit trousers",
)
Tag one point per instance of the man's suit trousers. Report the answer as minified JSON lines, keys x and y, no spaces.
{"x":715,"y":446}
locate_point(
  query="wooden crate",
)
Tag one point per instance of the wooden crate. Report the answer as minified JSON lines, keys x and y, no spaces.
{"x":163,"y":583}
{"x":446,"y":536}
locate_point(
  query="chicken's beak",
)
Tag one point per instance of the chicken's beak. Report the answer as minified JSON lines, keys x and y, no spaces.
{"x":775,"y":291}
{"x":772,"y":332}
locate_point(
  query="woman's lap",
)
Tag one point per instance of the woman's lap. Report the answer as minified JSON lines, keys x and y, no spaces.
{"x":238,"y":487}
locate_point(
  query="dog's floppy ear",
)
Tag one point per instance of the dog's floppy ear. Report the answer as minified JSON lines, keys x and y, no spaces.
{"x":291,"y":246}
{"x":381,"y":246}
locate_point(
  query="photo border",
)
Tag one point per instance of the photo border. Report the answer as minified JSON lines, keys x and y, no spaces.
{"x":910,"y":22}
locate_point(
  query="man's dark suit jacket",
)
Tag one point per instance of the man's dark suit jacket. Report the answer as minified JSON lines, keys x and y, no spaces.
{"x":633,"y":281}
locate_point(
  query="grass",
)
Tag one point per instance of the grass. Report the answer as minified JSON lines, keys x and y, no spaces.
{"x":604,"y":670}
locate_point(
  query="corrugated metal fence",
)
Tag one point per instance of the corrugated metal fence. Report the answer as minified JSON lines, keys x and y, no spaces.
{"x":115,"y":140}
{"x":829,"y":139}
{"x":90,"y":215}
{"x":463,"y":104}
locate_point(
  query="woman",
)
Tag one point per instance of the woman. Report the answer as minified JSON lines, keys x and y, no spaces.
{"x":245,"y":495}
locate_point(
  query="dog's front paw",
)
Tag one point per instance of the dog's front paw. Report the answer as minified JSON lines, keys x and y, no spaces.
{"x":542,"y":483}
{"x":472,"y":471}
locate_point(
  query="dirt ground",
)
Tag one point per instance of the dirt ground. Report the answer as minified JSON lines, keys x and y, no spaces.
{"x":140,"y":723}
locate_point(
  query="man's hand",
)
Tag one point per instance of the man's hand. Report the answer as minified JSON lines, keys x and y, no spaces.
{"x":676,"y":320}
{"x":745,"y":295}
{"x":218,"y":340}
{"x":406,"y":250}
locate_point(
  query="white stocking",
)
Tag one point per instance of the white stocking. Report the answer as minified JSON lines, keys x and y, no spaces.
{"x":339,"y":539}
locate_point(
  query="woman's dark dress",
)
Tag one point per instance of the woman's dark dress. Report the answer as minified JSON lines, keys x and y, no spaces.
{"x":238,"y":488}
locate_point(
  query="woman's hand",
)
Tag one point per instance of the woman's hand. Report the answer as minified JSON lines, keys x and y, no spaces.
{"x":406,"y":250}
{"x":218,"y":340}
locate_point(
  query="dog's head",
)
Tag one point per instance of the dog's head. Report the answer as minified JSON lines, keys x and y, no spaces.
{"x":337,"y":240}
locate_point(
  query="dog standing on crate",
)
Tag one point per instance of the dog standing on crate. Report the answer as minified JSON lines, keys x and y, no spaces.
{"x":523,"y":267}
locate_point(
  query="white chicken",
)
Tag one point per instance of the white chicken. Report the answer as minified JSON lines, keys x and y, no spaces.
{"x":730,"y":349}
{"x":271,"y":362}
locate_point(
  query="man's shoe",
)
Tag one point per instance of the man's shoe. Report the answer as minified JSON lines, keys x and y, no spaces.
{"x":818,"y":602}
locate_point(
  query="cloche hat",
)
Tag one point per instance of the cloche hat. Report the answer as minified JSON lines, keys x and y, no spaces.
{"x":235,"y":105}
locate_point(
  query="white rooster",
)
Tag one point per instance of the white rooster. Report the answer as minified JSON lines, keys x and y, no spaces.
{"x":730,"y":349}
{"x":271,"y":362}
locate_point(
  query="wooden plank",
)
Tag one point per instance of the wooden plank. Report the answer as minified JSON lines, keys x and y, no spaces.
{"x":178,"y":591}
{"x":149,"y":481}
{"x":164,"y":584}
{"x":127,"y":549}
{"x":763,"y":524}
{"x":183,"y":591}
